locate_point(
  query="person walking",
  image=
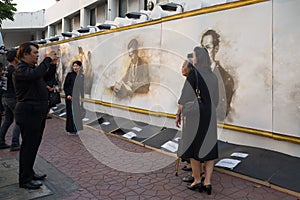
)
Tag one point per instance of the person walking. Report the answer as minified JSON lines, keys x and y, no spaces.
{"x":74,"y":89}
{"x":9,"y":102}
{"x":31,"y":109}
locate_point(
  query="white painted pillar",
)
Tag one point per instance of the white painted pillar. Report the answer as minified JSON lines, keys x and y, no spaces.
{"x":112,"y":9}
{"x":84,"y":17}
{"x":38,"y":35}
{"x":65,"y":23}
{"x":49,"y":31}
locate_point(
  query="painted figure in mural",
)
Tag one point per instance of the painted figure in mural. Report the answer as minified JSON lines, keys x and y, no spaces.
{"x":68,"y":55}
{"x":210,"y":40}
{"x":62,"y":67}
{"x":87,"y":69}
{"x":74,"y":91}
{"x":136,"y":78}
{"x":199,"y":137}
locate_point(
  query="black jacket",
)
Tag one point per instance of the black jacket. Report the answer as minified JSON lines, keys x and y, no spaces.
{"x":74,"y":81}
{"x":10,"y":90}
{"x":29,"y":83}
{"x":49,"y":77}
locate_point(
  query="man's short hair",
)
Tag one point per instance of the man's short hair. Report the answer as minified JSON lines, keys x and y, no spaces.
{"x":215,"y":36}
{"x":25,"y":48}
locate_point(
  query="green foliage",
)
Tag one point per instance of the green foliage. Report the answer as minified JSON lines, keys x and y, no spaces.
{"x":7,"y":10}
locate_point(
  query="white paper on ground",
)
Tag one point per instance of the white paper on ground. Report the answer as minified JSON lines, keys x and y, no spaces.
{"x":129,"y":135}
{"x":62,"y":114}
{"x":136,"y":129}
{"x":171,"y":146}
{"x":238,"y":154}
{"x":105,"y":123}
{"x":228,"y":163}
{"x":85,"y":119}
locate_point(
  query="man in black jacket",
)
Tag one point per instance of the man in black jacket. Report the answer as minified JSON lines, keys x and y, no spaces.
{"x":31,"y":109}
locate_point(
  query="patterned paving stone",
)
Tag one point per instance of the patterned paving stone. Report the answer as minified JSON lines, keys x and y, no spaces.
{"x":85,"y":162}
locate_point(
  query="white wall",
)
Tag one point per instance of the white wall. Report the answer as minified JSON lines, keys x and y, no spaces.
{"x":65,"y":8}
{"x":25,"y":20}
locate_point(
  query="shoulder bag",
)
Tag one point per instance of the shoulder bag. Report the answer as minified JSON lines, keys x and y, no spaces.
{"x":193,"y":107}
{"x":54,"y":98}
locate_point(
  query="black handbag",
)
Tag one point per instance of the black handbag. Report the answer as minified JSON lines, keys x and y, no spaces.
{"x":54,"y":98}
{"x":193,"y":107}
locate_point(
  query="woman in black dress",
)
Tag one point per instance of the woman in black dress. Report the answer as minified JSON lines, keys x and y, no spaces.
{"x":199,"y":134}
{"x":74,"y":89}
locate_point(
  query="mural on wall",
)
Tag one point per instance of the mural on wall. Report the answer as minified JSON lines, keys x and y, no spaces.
{"x":68,"y":53}
{"x":136,"y":78}
{"x":210,"y":40}
{"x":286,"y":70}
{"x":141,"y":67}
{"x":240,"y":51}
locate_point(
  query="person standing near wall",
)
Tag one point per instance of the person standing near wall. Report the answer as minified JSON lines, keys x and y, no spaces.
{"x":199,"y":137}
{"x":9,"y":102}
{"x":74,"y":89}
{"x":31,"y":109}
{"x":50,"y":79}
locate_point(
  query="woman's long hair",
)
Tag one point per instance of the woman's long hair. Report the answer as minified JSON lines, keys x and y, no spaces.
{"x":202,"y":57}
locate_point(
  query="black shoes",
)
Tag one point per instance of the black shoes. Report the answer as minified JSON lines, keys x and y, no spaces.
{"x":188,"y":179}
{"x":3,"y":145}
{"x":39,"y":177}
{"x":34,"y":183}
{"x":197,"y":186}
{"x":31,"y":185}
{"x":207,"y":189}
{"x":187,"y":169}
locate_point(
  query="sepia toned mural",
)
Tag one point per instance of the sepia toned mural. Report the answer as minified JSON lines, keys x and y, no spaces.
{"x":141,"y":67}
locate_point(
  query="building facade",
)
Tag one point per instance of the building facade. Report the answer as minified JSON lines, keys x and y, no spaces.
{"x":71,"y":15}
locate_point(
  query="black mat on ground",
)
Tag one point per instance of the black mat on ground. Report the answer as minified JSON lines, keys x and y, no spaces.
{"x":270,"y":166}
{"x":98,"y":120}
{"x":89,"y":117}
{"x":288,"y":176}
{"x":162,"y":137}
{"x":141,"y":130}
{"x":58,"y":108}
{"x":61,"y":113}
{"x":108,"y":123}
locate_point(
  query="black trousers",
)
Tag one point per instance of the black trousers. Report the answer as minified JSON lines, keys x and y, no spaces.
{"x":74,"y":121}
{"x":31,"y":118}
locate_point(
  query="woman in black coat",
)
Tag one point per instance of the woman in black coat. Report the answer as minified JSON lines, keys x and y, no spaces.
{"x":74,"y":89}
{"x":199,"y":135}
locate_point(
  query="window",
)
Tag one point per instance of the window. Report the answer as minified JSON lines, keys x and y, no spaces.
{"x":122,"y":8}
{"x":93,"y":17}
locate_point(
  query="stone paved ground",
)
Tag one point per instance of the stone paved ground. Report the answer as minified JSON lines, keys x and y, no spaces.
{"x":75,"y":173}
